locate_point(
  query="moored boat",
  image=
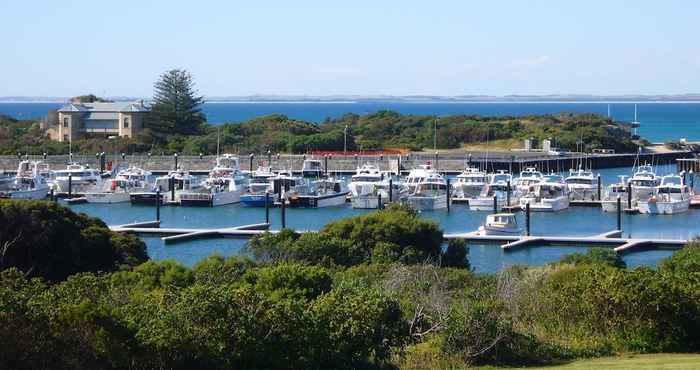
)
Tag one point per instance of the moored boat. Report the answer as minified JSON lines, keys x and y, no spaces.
{"x":551,"y":194}
{"x":500,"y":224}
{"x":429,"y":194}
{"x":670,"y":197}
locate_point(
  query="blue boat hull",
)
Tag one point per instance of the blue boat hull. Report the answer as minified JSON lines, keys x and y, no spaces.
{"x":257,"y":200}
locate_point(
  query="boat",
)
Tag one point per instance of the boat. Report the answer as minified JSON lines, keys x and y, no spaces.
{"x":551,"y":194}
{"x":497,"y":187}
{"x":613,"y":191}
{"x":670,"y":197}
{"x":469,"y":184}
{"x":225,"y":184}
{"x":418,"y":175}
{"x":500,"y":224}
{"x":326,"y":192}
{"x":429,"y":194}
{"x":368,"y":185}
{"x":27,"y":168}
{"x":82,"y":178}
{"x":170,"y":186}
{"x":312,"y":168}
{"x":259,"y":188}
{"x":526,"y":179}
{"x":583,"y":185}
{"x":117,"y":190}
{"x":643,"y":183}
{"x":26,"y":185}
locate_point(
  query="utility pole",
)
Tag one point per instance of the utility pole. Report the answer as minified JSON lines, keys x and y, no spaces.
{"x":345,"y":140}
{"x":435,"y":136}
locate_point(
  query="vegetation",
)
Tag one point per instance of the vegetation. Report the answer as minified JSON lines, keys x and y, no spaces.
{"x":176,"y":106}
{"x":375,"y":291}
{"x":89,"y":98}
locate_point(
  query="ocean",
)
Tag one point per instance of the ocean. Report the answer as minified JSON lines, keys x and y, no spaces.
{"x":660,"y":122}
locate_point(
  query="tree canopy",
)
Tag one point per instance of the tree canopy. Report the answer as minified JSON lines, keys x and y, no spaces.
{"x":176,"y":105}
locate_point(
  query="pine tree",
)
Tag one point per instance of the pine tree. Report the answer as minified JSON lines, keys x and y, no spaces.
{"x":176,"y":105}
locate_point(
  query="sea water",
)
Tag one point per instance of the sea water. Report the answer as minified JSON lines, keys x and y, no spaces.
{"x":660,"y":122}
{"x":575,"y":221}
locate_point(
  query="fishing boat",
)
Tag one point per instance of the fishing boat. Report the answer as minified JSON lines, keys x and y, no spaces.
{"x":418,"y":175}
{"x":469,"y":184}
{"x":429,"y":194}
{"x":643,"y":183}
{"x":326,"y":192}
{"x":368,"y":185}
{"x":312,"y":168}
{"x":583,"y":184}
{"x":670,"y":197}
{"x":225,"y":184}
{"x":259,"y":188}
{"x":527,"y":178}
{"x":171,"y":186}
{"x":613,"y":191}
{"x":497,"y":187}
{"x":500,"y":224}
{"x":81,"y":178}
{"x":117,"y":190}
{"x":26,"y":185}
{"x":551,"y":194}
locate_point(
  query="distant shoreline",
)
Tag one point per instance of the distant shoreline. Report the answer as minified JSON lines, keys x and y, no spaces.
{"x":640,"y":101}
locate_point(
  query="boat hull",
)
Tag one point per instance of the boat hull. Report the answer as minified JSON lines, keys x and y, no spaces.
{"x":318,"y":201}
{"x":35,"y":194}
{"x":547,"y":205}
{"x":108,"y":198}
{"x":427,"y":203}
{"x":148,"y":199}
{"x":257,"y":200}
{"x":664,"y":208}
{"x":487,"y":230}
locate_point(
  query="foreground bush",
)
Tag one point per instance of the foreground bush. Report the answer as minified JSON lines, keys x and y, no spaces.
{"x":47,"y":240}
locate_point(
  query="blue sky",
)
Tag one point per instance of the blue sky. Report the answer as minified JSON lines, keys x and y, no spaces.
{"x":118,"y":48}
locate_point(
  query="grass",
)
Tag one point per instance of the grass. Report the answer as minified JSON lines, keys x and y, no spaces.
{"x":629,"y":362}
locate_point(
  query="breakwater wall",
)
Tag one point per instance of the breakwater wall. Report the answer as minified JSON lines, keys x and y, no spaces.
{"x":446,"y":162}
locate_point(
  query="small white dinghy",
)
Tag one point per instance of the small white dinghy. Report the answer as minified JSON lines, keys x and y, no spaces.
{"x":500,"y":224}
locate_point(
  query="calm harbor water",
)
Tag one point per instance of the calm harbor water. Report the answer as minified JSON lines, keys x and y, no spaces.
{"x":659,"y":121}
{"x":579,"y":221}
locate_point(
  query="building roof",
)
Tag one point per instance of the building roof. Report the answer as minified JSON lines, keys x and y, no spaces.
{"x":105,"y":107}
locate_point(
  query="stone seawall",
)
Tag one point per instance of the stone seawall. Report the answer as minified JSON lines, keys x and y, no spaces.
{"x":347,"y":164}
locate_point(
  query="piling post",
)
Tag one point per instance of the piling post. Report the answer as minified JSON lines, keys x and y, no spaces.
{"x":527,"y":219}
{"x":325,"y":164}
{"x":692,"y":180}
{"x":683,"y":176}
{"x":448,"y":195}
{"x":437,"y":168}
{"x":269,"y":158}
{"x":629,"y":195}
{"x":175,"y":158}
{"x":508,"y":190}
{"x":70,"y":185}
{"x":379,"y":200}
{"x":158,"y":204}
{"x":619,"y":213}
{"x":599,"y":187}
{"x":267,"y":207}
{"x":282,"y":210}
{"x":495,"y":204}
{"x":250,"y":166}
{"x":52,"y":196}
{"x":391,"y":190}
{"x":171,"y":187}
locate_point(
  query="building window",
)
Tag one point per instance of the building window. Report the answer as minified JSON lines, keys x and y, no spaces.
{"x":65,"y":121}
{"x":65,"y":137}
{"x":126,"y":122}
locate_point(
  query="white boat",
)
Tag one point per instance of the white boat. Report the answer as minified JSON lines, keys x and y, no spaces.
{"x":418,"y":175}
{"x":429,"y":194}
{"x":500,"y":224}
{"x":530,"y":176}
{"x":259,"y":185}
{"x":469,"y":184}
{"x":327,"y":192}
{"x":225,"y":184}
{"x":670,"y":197}
{"x":497,"y":187}
{"x":117,"y":190}
{"x":613,"y":191}
{"x":643,"y":183}
{"x":26,"y":185}
{"x":551,"y":194}
{"x":369,"y":184}
{"x":180,"y":180}
{"x":312,"y":168}
{"x":82,"y":178}
{"x":583,"y":185}
{"x":27,"y":168}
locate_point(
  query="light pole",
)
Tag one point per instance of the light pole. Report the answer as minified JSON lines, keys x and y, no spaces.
{"x":345,"y":140}
{"x":435,"y":136}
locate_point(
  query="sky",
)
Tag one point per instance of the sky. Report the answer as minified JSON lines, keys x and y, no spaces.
{"x":408,"y":47}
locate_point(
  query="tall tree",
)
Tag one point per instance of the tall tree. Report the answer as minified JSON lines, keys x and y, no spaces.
{"x":176,"y":105}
